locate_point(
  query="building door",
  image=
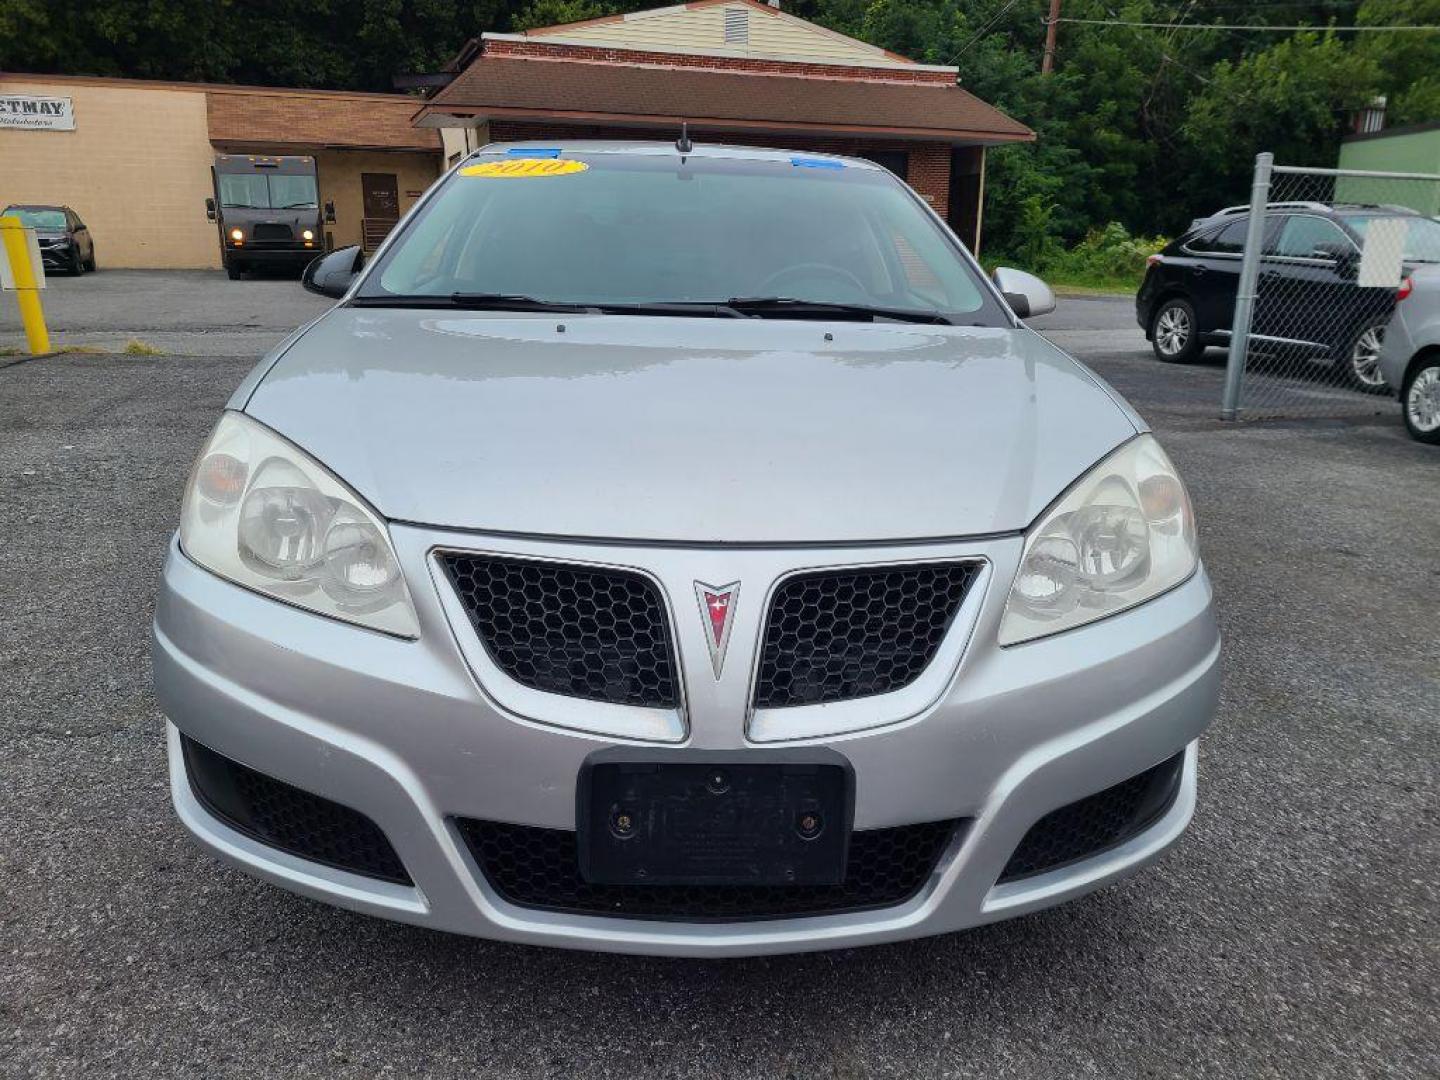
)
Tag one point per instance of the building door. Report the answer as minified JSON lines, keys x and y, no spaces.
{"x":381,"y":194}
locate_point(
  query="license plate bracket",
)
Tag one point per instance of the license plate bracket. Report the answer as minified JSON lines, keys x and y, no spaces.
{"x":714,"y":819}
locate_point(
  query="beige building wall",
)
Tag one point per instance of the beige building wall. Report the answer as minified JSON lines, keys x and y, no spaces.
{"x":136,"y":169}
{"x":459,"y":141}
{"x":771,"y":34}
{"x":340,"y":171}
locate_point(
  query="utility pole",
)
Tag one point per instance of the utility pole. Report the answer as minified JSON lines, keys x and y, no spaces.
{"x":1047,"y":62}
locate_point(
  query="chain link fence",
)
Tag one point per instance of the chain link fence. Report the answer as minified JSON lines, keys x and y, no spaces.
{"x":1325,"y":251}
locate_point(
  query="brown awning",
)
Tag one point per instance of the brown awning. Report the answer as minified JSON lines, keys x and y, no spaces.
{"x":607,"y":93}
{"x":315,"y":119}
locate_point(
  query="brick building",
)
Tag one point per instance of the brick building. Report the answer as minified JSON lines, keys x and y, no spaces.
{"x":736,"y":71}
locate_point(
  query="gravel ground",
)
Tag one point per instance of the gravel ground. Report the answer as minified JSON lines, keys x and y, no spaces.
{"x":1292,"y":934}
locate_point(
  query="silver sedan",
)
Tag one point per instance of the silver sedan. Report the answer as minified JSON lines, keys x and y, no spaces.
{"x":683,"y":550}
{"x":1410,"y":355}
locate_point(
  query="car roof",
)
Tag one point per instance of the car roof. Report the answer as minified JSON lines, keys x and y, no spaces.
{"x":656,"y":148}
{"x":1232,"y":213}
{"x":36,"y":206}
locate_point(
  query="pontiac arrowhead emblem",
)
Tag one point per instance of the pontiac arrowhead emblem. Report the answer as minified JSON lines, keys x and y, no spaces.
{"x":717,"y":607}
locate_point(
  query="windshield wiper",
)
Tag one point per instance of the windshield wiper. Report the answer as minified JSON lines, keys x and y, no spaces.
{"x":701,"y":308}
{"x":762,"y":306}
{"x":299,"y":206}
{"x":473,"y":302}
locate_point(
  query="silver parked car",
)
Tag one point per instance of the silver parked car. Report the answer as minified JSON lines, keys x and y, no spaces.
{"x":1410,"y":355}
{"x":682,"y":549}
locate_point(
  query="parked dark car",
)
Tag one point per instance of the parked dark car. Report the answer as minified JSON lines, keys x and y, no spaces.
{"x":1309,"y":300}
{"x":64,"y":240}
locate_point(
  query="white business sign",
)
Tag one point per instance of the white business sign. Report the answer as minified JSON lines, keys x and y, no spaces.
{"x":37,"y":113}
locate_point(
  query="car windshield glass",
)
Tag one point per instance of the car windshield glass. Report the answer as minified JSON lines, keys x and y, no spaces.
{"x":647,"y":228}
{"x":38,"y":219}
{"x":267,"y":191}
{"x":1422,"y":236}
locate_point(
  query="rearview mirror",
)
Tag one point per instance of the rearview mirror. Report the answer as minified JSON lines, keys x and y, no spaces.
{"x":210,"y":209}
{"x":329,"y":212}
{"x":1026,"y":294}
{"x":332,"y":274}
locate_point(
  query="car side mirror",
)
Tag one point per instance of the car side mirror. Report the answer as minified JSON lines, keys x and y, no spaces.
{"x":210,"y":209}
{"x":333,"y":273}
{"x":1343,"y":254}
{"x":329,"y":212}
{"x":1026,"y":294}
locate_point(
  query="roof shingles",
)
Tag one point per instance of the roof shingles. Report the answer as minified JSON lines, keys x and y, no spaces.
{"x":573,"y":89}
{"x":380,"y":121}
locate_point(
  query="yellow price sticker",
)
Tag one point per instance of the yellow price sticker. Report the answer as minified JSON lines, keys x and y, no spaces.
{"x":523,"y":168}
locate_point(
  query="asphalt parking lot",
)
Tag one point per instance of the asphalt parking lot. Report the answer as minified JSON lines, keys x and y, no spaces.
{"x":1294,"y":933}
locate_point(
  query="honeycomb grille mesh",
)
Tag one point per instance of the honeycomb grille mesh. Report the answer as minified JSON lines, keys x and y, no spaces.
{"x":581,"y":631}
{"x":539,"y":868}
{"x":833,"y":636}
{"x":1097,"y":822}
{"x":286,"y":817}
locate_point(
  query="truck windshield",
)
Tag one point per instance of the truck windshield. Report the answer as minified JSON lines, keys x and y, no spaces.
{"x":653,"y":228}
{"x":267,"y":191}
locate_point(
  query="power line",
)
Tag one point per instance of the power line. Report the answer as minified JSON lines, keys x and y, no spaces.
{"x":985,"y":29}
{"x":1229,"y":26}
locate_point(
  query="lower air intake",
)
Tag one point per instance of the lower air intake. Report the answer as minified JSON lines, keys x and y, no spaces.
{"x":1097,"y":822}
{"x":282,"y":816}
{"x":539,"y":868}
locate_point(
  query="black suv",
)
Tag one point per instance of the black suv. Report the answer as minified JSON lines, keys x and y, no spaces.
{"x":1308,"y":298}
{"x":64,"y":240}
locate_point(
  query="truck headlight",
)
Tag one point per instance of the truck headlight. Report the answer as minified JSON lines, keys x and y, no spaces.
{"x":264,"y":514}
{"x":1123,"y":534}
{"x":308,"y":234}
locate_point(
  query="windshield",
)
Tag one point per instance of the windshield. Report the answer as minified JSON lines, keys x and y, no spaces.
{"x":267,"y":191}
{"x":38,"y":219}
{"x":657,"y":228}
{"x":1422,"y":235}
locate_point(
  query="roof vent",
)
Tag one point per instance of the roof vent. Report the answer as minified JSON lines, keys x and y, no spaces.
{"x":737,"y":26}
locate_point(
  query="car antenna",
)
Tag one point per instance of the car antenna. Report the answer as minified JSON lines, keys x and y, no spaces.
{"x":683,"y":144}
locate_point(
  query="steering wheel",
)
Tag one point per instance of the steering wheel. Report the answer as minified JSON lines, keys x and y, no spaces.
{"x":770,"y":284}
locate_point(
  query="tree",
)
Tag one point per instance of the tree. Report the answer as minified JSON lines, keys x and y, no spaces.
{"x":1291,"y":99}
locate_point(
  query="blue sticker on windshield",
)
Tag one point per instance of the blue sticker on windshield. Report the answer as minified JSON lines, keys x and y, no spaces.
{"x":816,"y":163}
{"x":533,"y":151}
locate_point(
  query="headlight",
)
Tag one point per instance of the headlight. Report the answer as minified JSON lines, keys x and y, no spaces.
{"x":1125,"y":532}
{"x":264,"y":514}
{"x":237,"y":235}
{"x":308,"y":234}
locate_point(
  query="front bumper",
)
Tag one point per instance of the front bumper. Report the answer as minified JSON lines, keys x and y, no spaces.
{"x":252,"y":255}
{"x":404,"y":732}
{"x":57,"y":256}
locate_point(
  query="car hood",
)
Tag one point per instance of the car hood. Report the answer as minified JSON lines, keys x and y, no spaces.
{"x":690,"y":429}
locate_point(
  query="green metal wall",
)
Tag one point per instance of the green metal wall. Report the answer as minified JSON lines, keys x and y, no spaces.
{"x":1411,"y":152}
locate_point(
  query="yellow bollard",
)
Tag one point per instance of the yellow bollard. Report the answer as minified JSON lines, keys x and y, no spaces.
{"x":17,"y":249}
